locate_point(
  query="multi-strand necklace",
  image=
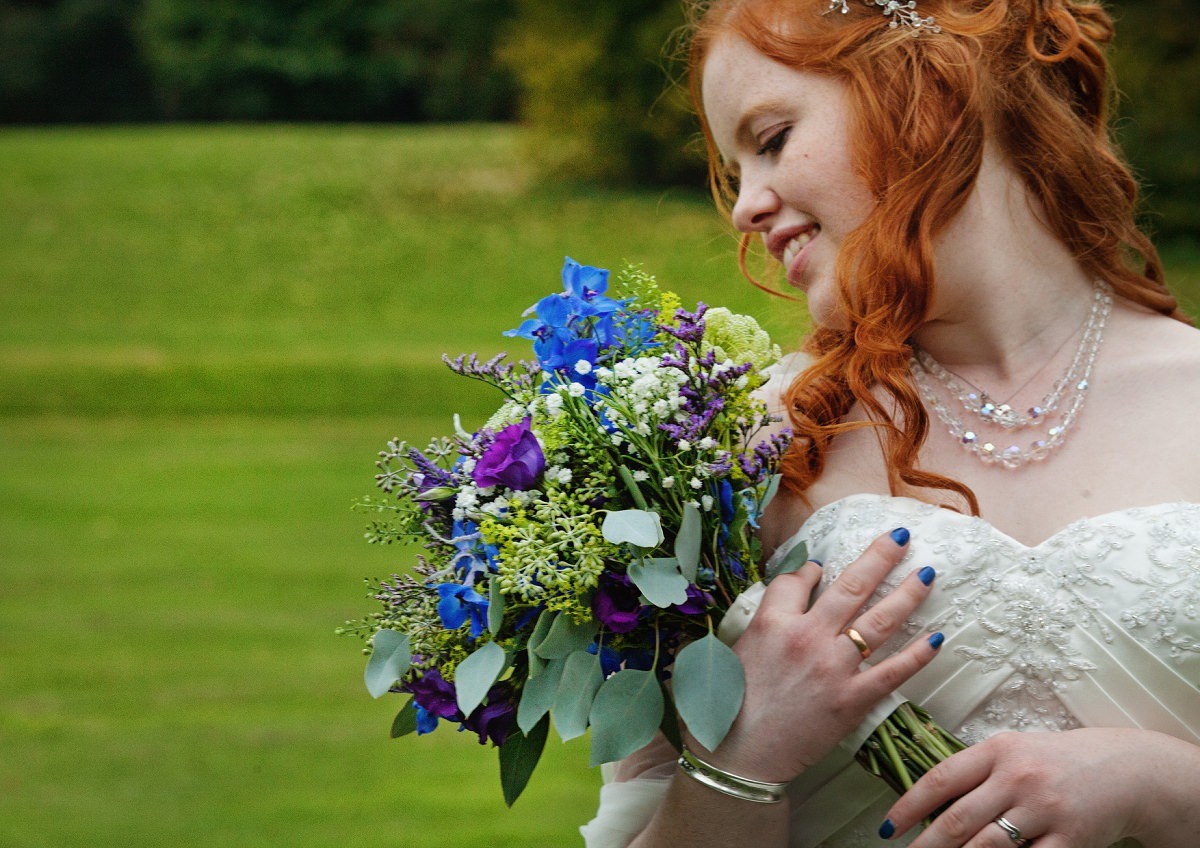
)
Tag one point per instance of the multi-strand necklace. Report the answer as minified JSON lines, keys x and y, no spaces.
{"x":1055,"y":414}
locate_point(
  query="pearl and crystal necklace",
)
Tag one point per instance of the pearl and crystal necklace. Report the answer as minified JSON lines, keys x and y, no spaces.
{"x":1064,"y":400}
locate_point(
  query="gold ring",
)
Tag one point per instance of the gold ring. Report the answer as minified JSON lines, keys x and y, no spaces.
{"x":859,"y":642}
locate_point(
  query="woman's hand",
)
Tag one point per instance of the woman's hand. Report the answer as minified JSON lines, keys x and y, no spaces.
{"x":1084,"y":788}
{"x":806,"y":687}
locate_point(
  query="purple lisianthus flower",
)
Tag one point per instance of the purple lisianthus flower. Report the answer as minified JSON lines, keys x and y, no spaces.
{"x":494,"y":719}
{"x":698,"y":601}
{"x":434,"y":698}
{"x":458,"y":603}
{"x":616,"y":603}
{"x":514,"y":459}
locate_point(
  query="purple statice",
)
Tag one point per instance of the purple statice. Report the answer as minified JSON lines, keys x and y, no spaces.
{"x":765,"y":457}
{"x":496,"y":372}
{"x":691,"y":325}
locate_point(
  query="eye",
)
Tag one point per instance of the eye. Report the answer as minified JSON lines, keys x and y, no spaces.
{"x":775,"y":143}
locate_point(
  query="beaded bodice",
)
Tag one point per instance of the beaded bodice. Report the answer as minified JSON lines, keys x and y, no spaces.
{"x":1098,"y":625}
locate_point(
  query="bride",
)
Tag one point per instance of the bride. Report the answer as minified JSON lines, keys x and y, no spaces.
{"x":1001,"y":392}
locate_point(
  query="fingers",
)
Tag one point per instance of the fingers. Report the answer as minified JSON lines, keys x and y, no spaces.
{"x":842,"y":601}
{"x":874,"y":682}
{"x":883,"y":619}
{"x":954,"y":778}
{"x":791,"y":593}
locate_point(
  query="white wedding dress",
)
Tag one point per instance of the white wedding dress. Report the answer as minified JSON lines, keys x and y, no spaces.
{"x":1099,"y":625}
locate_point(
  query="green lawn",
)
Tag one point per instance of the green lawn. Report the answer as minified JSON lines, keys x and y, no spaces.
{"x":206,"y":333}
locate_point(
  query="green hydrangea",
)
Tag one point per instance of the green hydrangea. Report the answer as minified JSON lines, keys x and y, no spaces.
{"x":739,"y":338}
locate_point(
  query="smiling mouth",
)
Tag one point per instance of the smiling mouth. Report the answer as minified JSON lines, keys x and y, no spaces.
{"x":798,"y":243}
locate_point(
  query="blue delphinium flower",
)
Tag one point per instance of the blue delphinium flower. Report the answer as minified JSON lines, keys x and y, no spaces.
{"x":458,"y":603}
{"x":580,"y":312}
{"x":474,"y":557}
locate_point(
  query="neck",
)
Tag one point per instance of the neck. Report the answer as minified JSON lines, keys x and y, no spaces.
{"x":1009,"y":293}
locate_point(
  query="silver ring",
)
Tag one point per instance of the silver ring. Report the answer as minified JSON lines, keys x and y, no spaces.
{"x":1014,"y":832}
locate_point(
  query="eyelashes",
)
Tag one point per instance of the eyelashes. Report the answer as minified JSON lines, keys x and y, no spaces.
{"x":775,"y":143}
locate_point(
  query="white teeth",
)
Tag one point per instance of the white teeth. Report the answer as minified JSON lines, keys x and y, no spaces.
{"x":797,"y":244}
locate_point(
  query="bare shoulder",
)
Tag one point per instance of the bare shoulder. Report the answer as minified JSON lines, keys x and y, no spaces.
{"x":1157,"y":356}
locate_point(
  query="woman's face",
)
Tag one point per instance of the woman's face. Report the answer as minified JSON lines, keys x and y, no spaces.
{"x":784,"y":137}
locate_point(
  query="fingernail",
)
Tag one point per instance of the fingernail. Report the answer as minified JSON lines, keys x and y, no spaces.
{"x":900,"y":536}
{"x":936,"y":640}
{"x":926,"y":575}
{"x":886,"y":829}
{"x":817,"y":562}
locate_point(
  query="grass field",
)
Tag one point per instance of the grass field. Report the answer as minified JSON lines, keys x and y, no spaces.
{"x":205,"y":335}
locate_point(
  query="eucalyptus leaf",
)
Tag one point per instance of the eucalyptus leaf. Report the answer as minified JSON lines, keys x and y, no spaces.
{"x":635,"y":526}
{"x":581,"y":678}
{"x":538,"y":694}
{"x":566,"y":637}
{"x":519,"y":756}
{"x":632,"y":486}
{"x":495,"y":608}
{"x":476,"y":674}
{"x":405,"y":721}
{"x":391,"y":657}
{"x":540,"y":629}
{"x":709,"y":684}
{"x":659,"y":580}
{"x":769,"y":495}
{"x":687,"y":542}
{"x":793,"y":560}
{"x":625,"y":715}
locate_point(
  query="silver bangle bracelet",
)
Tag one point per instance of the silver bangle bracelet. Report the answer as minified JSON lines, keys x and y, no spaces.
{"x":736,"y":786}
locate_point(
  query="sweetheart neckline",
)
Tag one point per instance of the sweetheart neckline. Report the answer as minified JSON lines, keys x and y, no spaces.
{"x":973,"y":518}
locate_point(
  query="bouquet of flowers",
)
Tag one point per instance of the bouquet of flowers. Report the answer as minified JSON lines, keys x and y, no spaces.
{"x":584,"y":545}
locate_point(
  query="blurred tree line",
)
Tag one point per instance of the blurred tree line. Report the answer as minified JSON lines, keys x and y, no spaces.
{"x":590,"y":79}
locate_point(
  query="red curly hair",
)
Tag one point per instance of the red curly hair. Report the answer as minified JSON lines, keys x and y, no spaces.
{"x":1031,"y":77}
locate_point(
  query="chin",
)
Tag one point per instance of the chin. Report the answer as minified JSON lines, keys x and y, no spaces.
{"x":823,"y":307}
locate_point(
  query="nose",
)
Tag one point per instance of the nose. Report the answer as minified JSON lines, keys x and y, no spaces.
{"x":756,"y":204}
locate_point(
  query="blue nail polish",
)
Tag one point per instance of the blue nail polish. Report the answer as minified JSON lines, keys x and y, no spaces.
{"x":818,"y":562}
{"x":886,"y":829}
{"x":900,"y":536}
{"x":936,"y":640}
{"x":926,"y":575}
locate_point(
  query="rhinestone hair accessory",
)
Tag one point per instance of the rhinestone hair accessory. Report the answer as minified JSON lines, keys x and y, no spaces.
{"x":901,"y":14}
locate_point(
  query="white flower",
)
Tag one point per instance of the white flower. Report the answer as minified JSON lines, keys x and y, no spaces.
{"x":707,"y":443}
{"x":706,"y":501}
{"x":564,"y":476}
{"x":576,"y":390}
{"x":468,"y":465}
{"x":696,"y":483}
{"x":685,"y":445}
{"x":583,"y":366}
{"x":468,"y":496}
{"x":553,"y":402}
{"x":641,"y":476}
{"x":668,"y":482}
